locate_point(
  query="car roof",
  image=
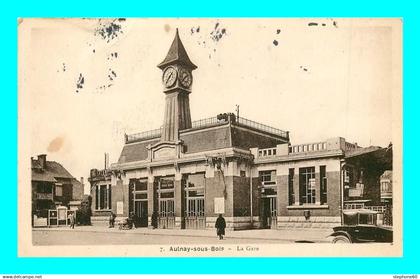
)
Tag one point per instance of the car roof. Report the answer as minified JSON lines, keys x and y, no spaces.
{"x":360,"y":211}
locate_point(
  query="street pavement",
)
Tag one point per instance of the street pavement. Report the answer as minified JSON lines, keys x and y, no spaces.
{"x":101,"y":235}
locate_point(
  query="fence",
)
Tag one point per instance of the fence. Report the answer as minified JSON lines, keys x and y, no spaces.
{"x":262,"y":127}
{"x":209,"y":122}
{"x":60,"y":217}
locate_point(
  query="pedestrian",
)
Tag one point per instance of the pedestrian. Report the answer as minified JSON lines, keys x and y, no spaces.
{"x":130,"y":221}
{"x":220,"y":226}
{"x":155,"y":220}
{"x":72,"y":220}
{"x":111,"y":219}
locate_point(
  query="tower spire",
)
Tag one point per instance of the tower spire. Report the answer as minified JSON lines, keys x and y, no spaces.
{"x":177,"y":54}
{"x":177,"y":81}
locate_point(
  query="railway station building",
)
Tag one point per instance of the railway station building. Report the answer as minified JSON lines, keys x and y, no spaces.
{"x":185,"y":173}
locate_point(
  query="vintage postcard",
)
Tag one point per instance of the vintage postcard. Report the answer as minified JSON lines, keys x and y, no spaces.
{"x":210,"y":137}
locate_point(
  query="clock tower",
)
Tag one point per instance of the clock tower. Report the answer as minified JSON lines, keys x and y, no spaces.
{"x":177,"y":81}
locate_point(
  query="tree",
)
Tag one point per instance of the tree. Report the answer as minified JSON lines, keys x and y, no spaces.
{"x":85,"y":212}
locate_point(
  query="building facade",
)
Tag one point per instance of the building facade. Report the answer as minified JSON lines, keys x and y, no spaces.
{"x":52,"y":186}
{"x":186,"y":173}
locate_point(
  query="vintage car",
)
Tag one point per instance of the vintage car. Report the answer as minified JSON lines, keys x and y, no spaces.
{"x":360,"y":226}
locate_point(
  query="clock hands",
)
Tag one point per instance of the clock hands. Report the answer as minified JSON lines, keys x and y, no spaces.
{"x":184,"y":77}
{"x":169,"y":77}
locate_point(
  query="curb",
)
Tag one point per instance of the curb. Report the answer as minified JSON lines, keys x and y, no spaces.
{"x":301,"y":240}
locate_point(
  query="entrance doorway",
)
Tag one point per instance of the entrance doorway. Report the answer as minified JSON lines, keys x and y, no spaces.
{"x":138,"y":201}
{"x":270,"y":212}
{"x":140,"y":212}
{"x":194,"y":189}
{"x":195,"y":218}
{"x":166,"y":214}
{"x":166,"y":203}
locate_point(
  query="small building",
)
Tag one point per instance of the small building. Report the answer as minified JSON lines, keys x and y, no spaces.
{"x":386,"y":187}
{"x":52,"y":186}
{"x":367,"y":177}
{"x":185,"y":173}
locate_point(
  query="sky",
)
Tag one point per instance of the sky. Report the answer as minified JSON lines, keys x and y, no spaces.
{"x":83,"y":83}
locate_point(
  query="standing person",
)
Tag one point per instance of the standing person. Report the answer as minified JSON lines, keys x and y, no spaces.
{"x":72,"y":220}
{"x":220,"y":226}
{"x":130,"y":221}
{"x":111,"y":219}
{"x":154,"y":220}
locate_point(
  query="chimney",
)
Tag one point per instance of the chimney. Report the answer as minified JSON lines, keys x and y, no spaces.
{"x":42,"y":160}
{"x":106,"y":161}
{"x":81,"y":181}
{"x":93,"y":173}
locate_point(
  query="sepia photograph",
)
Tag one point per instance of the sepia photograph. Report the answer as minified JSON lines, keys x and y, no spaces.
{"x":210,"y":137}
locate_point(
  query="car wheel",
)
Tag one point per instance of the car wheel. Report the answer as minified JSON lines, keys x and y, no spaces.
{"x":341,"y":239}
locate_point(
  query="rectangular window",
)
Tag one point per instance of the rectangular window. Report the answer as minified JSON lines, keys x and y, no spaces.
{"x":140,"y":185}
{"x":291,"y":190}
{"x":167,"y":195}
{"x":44,"y":188}
{"x":196,"y":180}
{"x":103,"y":197}
{"x":96,"y":197}
{"x":270,"y":191}
{"x":386,"y":187}
{"x":197,"y":193}
{"x":268,"y":177}
{"x":349,"y":177}
{"x":142,"y":196}
{"x":59,"y":190}
{"x":323,"y":186}
{"x":307,"y":185}
{"x":109,"y":196}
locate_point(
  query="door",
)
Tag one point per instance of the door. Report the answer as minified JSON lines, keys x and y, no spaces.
{"x":270,"y":212}
{"x":140,"y":211}
{"x":194,"y":217}
{"x":273,"y":212}
{"x":166,"y":214}
{"x":166,"y":202}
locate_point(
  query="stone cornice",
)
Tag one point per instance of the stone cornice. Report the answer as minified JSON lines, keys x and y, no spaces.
{"x":231,"y":152}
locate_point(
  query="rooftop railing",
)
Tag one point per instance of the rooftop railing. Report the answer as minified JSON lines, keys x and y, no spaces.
{"x":143,"y":135}
{"x":308,"y":147}
{"x":267,"y":152}
{"x":209,"y":122}
{"x":262,"y":127}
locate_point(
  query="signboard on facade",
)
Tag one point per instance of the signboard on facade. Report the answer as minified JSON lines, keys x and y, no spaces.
{"x":219,"y":205}
{"x":62,"y":213}
{"x":120,"y":206}
{"x":164,"y":152}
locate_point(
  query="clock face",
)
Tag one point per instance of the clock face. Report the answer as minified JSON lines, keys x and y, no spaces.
{"x":169,"y":77}
{"x":185,"y":78}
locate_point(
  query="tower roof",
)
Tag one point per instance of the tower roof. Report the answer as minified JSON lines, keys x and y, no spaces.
{"x":177,"y":54}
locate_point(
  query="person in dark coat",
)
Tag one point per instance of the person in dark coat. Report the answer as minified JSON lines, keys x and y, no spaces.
{"x":155,"y":220}
{"x":220,"y":226}
{"x":112,"y":219}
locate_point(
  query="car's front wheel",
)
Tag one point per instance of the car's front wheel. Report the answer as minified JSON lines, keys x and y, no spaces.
{"x":341,"y":239}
